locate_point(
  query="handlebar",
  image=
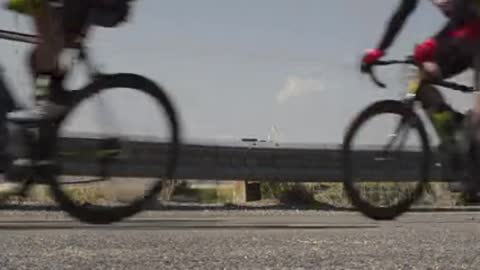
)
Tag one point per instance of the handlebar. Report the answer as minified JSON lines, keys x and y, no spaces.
{"x":410,"y":61}
{"x":369,"y":69}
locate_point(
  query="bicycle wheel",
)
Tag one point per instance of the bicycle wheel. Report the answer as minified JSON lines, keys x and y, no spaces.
{"x":408,"y":121}
{"x":109,"y":151}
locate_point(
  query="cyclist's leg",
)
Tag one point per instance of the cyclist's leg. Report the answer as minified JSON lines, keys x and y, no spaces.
{"x":73,"y":27}
{"x":48,"y":76}
{"x":57,"y":25}
{"x":49,"y":25}
{"x":44,"y":62}
{"x":446,"y":121}
{"x":71,"y":24}
{"x":445,"y":118}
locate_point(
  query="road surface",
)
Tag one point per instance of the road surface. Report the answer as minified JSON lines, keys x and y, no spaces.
{"x":261,"y":239}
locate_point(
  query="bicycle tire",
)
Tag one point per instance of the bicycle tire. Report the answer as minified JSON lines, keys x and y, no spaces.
{"x":111,"y":214}
{"x":392,"y":212}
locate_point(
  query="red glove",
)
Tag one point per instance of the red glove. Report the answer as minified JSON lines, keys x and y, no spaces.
{"x":426,"y":50}
{"x":372,"y":55}
{"x":369,"y":58}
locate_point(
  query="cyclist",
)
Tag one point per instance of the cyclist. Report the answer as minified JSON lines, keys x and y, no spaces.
{"x":59,"y":23}
{"x":448,"y":53}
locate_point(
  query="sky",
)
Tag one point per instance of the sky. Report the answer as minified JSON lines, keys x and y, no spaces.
{"x":236,"y":69}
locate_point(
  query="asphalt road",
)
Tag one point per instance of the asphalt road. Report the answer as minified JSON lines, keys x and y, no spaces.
{"x":266,"y":239}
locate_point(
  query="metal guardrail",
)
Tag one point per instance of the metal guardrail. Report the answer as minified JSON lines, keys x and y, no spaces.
{"x":214,"y":162}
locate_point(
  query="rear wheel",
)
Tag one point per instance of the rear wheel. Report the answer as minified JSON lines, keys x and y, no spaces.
{"x":386,"y":207}
{"x":134,"y":165}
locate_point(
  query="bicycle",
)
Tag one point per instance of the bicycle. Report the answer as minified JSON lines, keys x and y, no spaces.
{"x":409,"y":120}
{"x":108,"y":149}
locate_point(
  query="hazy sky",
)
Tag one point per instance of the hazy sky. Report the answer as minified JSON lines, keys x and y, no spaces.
{"x":237,"y":68}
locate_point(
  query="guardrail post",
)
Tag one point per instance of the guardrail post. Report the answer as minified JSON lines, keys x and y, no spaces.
{"x":253,"y":191}
{"x":244,"y":191}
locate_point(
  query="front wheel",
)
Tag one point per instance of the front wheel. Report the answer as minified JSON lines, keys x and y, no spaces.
{"x":386,"y":207}
{"x":97,"y":159}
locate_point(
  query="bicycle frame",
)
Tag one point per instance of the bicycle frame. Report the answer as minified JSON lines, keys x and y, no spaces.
{"x":410,"y":99}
